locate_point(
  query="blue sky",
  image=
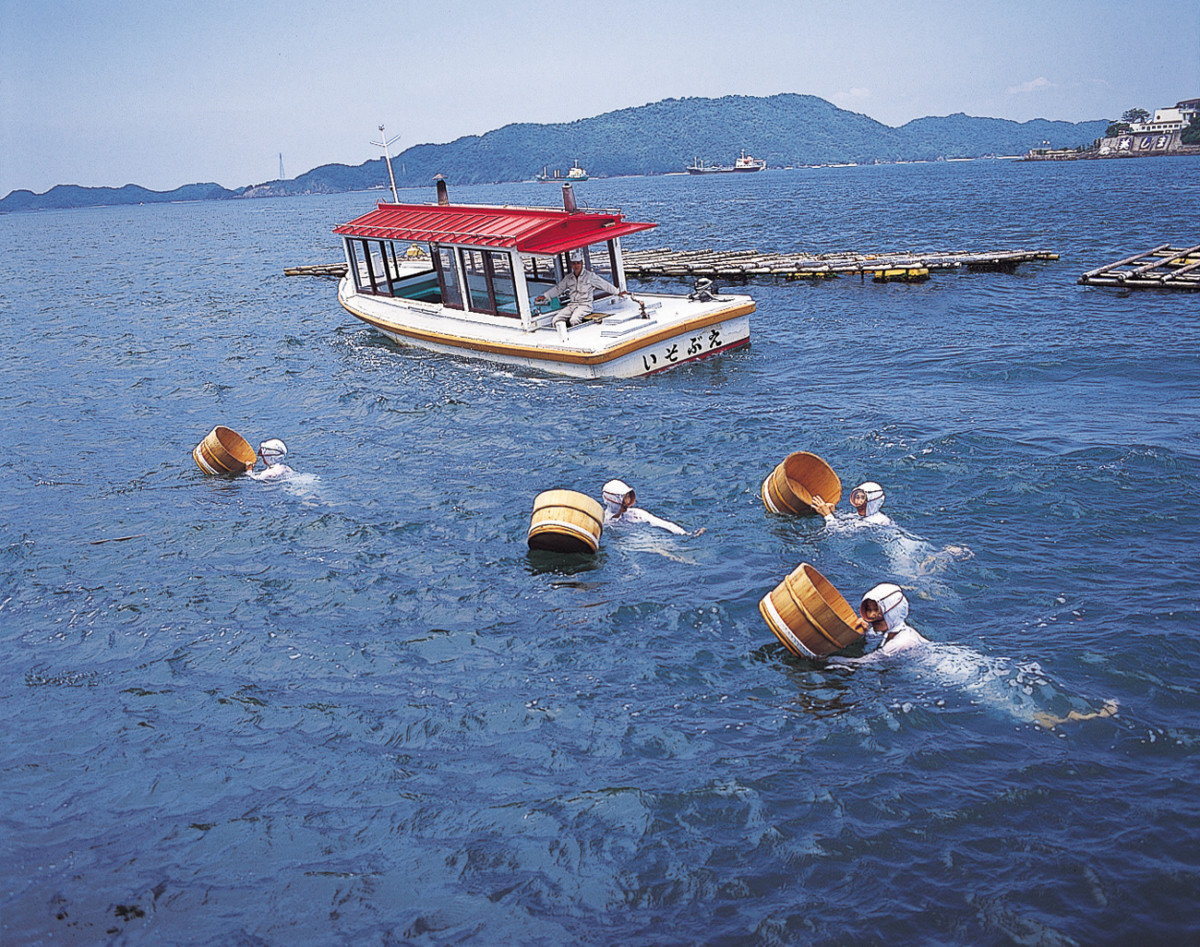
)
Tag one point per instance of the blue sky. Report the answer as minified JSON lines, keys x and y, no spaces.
{"x":163,"y":94}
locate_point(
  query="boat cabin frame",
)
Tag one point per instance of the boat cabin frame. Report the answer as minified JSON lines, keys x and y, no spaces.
{"x":480,"y":263}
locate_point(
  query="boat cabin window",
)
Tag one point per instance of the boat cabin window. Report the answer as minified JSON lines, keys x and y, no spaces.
{"x":504,"y":285}
{"x":374,"y":265}
{"x":491,"y":287}
{"x":475,"y":272}
{"x":447,"y":274}
{"x":602,"y":260}
{"x":380,"y":268}
{"x":540,"y":269}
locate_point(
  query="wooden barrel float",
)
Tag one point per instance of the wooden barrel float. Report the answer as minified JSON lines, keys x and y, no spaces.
{"x":790,"y":486}
{"x":224,"y":451}
{"x":809,"y":615}
{"x":565,"y":521}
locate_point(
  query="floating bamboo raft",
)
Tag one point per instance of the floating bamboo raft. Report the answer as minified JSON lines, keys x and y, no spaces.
{"x":883,"y":267}
{"x":741,"y":265}
{"x":1163,"y":267}
{"x":332,"y":270}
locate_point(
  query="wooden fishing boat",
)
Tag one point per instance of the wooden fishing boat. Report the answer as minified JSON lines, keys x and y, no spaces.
{"x":470,"y":290}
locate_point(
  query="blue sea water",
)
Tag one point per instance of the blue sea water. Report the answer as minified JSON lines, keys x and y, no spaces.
{"x":351,"y":707}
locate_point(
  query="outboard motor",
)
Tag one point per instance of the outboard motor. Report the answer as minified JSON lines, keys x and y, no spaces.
{"x":704,"y":291}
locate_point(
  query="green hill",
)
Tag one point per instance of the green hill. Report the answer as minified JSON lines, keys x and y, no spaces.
{"x":785,"y":130}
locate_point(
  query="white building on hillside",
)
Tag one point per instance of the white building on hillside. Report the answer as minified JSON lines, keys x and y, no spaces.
{"x":1169,"y":120}
{"x":1190,"y":108}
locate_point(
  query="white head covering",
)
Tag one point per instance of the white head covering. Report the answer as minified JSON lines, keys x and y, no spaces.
{"x":874,"y":494}
{"x":891,"y":601}
{"x":576,"y":256}
{"x":272,"y":451}
{"x":614,"y":492}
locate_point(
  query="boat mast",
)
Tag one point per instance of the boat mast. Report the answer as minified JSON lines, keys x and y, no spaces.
{"x":388,"y":158}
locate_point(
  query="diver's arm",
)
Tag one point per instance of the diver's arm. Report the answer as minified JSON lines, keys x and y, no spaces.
{"x":637,"y":514}
{"x":824,"y":507}
{"x":872,"y":657}
{"x":903,"y":639}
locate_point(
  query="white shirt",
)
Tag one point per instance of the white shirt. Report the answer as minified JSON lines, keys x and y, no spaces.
{"x":854,"y":521}
{"x":636,"y":514}
{"x":582,"y":287}
{"x":905,"y":638}
{"x":274,"y":472}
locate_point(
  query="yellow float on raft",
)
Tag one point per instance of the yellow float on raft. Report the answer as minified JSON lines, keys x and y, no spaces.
{"x":902,"y":274}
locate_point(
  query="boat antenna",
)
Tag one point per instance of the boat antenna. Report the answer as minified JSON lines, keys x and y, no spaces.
{"x":387,"y":157}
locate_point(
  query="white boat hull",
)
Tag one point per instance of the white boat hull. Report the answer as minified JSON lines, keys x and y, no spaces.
{"x":623,"y":344}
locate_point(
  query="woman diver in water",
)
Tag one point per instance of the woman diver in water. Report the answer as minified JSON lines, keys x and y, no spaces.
{"x":884,"y":612}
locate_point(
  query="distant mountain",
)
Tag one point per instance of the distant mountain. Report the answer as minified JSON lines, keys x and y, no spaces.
{"x":785,"y":130}
{"x":72,"y":195}
{"x":962,"y":136}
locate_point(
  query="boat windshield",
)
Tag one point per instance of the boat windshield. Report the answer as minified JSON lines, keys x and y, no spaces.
{"x":457,"y":277}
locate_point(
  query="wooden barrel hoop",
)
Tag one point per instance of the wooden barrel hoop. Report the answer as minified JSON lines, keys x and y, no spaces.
{"x":790,"y":487}
{"x":565,"y":521}
{"x":223,"y":451}
{"x":828,"y":627}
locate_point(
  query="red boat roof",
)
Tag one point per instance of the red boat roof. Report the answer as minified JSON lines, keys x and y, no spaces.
{"x":527,"y":229}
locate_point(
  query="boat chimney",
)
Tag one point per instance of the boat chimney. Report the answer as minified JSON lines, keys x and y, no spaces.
{"x":569,"y":199}
{"x":443,"y":194}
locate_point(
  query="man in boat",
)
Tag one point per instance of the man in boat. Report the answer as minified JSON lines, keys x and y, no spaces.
{"x":582,"y":285}
{"x":619,"y":508}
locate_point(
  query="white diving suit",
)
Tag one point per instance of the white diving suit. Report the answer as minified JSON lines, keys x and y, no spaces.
{"x":899,"y":636}
{"x":1021,"y":691}
{"x":872,"y":517}
{"x":616,"y":514}
{"x":272,"y":453}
